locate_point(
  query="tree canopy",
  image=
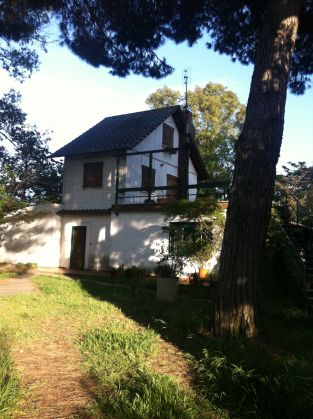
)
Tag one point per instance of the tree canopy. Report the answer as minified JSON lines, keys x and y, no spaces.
{"x":295,"y":187}
{"x":218,"y":117}
{"x":27,"y":173}
{"x":125,"y":35}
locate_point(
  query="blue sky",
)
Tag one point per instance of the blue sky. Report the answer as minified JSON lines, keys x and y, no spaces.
{"x":67,"y":96}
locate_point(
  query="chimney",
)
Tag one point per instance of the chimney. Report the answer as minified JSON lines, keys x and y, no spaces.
{"x":183,"y":155}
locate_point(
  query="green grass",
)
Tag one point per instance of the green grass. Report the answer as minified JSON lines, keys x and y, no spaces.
{"x":268,"y":377}
{"x":118,"y":332}
{"x":116,"y":357}
{"x":9,"y":382}
{"x":7,"y":275}
{"x":115,"y":349}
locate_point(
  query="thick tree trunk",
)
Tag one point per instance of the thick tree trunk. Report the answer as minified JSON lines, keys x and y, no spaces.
{"x":257,"y":152}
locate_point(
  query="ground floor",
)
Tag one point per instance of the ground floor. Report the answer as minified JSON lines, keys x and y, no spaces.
{"x":128,"y":235}
{"x":92,"y":240}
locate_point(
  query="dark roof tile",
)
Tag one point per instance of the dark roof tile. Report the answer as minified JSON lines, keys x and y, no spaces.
{"x":120,"y":132}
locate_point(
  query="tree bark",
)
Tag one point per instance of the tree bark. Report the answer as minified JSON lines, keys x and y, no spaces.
{"x":257,"y":153}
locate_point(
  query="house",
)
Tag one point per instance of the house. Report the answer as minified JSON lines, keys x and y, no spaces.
{"x":117,"y":176}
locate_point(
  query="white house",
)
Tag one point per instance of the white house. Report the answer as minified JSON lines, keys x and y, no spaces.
{"x":117,"y":176}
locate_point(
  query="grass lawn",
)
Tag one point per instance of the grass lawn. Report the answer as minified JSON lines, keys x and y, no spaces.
{"x":156,"y":360}
{"x":7,"y":275}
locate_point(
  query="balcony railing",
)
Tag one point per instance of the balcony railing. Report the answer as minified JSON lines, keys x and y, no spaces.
{"x":163,"y":194}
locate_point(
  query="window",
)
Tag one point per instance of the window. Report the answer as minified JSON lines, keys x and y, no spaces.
{"x":147,"y":177}
{"x":171,"y":194}
{"x":93,"y":174}
{"x":185,"y":236}
{"x":168,"y":136}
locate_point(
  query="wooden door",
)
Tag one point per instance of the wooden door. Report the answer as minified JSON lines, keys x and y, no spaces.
{"x":78,"y":245}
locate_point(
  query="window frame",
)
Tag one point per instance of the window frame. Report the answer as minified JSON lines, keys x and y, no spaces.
{"x":98,"y":175}
{"x":146,"y":182}
{"x":167,"y":136}
{"x":178,"y":233}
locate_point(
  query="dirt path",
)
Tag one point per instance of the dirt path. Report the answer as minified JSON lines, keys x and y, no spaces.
{"x":17,"y":285}
{"x":51,"y":370}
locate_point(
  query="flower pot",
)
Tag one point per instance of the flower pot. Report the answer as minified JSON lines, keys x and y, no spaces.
{"x":167,"y":289}
{"x":203,"y":273}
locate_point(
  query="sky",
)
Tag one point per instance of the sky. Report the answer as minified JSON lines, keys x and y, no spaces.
{"x":67,"y":96}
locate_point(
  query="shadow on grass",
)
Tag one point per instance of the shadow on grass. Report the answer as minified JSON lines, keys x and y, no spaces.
{"x":186,"y":322}
{"x":266,"y":377}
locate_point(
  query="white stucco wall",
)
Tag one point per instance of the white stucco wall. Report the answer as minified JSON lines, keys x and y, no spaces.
{"x":136,"y":237}
{"x":77,"y":197}
{"x":98,"y":240}
{"x":37,"y":241}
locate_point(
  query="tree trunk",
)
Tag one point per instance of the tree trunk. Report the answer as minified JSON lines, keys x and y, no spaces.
{"x":257,"y":153}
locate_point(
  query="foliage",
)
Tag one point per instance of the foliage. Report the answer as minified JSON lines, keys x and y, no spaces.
{"x":27,"y":173}
{"x":254,"y":392}
{"x":204,"y":239}
{"x":21,"y":31}
{"x":164,"y":96}
{"x":135,"y":272}
{"x":8,"y":205}
{"x":166,"y":270}
{"x":277,"y":255}
{"x":9,"y":382}
{"x":125,"y":37}
{"x":294,"y":187}
{"x":218,"y":116}
{"x":25,"y":267}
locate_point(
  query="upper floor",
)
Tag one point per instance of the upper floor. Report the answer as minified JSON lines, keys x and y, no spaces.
{"x":144,"y":157}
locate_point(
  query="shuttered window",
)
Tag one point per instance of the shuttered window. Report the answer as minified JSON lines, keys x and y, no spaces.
{"x":93,"y":175}
{"x":168,"y":136}
{"x":146,"y":180}
{"x":172,"y":181}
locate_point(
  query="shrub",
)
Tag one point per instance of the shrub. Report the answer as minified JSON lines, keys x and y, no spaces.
{"x":166,"y":270}
{"x":22,"y":268}
{"x":135,"y":273}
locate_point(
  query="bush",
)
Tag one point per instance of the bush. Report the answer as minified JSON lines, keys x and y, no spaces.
{"x":135,"y":273}
{"x":165,"y":270}
{"x":22,"y":268}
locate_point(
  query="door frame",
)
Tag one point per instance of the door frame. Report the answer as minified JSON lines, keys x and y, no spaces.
{"x":76,"y":227}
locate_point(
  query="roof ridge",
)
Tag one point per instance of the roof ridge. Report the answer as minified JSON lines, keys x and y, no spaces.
{"x":141,"y":112}
{"x":117,"y":132}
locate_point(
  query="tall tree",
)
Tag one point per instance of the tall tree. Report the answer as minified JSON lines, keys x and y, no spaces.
{"x":26,"y":172}
{"x":124,"y":36}
{"x":218,"y":117}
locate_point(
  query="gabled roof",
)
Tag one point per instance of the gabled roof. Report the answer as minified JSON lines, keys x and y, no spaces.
{"x":118,"y":133}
